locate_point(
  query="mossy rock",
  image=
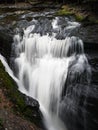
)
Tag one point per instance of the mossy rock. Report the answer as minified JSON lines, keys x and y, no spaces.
{"x":27,"y":108}
{"x":1,"y":124}
{"x":11,"y":89}
{"x":79,"y":15}
{"x":64,"y":12}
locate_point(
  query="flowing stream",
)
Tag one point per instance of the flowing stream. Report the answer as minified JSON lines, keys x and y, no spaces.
{"x":50,"y":65}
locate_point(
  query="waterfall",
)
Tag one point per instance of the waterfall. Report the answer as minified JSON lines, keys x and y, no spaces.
{"x":8,"y":69}
{"x":43,"y":65}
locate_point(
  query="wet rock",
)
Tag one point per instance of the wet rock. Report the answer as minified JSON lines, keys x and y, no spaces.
{"x":89,"y":33}
{"x":32,"y":111}
{"x":89,"y":36}
{"x":31,"y":102}
{"x":33,"y":106}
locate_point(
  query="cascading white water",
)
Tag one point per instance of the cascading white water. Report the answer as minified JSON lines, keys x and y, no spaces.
{"x":42,"y":64}
{"x":8,"y":70}
{"x":42,"y":73}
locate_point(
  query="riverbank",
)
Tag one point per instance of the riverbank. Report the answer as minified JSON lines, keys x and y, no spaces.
{"x":82,"y":13}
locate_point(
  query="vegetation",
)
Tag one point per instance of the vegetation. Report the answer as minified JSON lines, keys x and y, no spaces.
{"x":70,"y":10}
{"x":13,"y":102}
{"x":11,"y":91}
{"x":18,"y":99}
{"x":90,"y":5}
{"x":80,"y":12}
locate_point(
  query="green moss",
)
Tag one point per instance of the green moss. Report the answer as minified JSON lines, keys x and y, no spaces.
{"x":12,"y":91}
{"x":13,"y":94}
{"x":1,"y":123}
{"x":28,"y":113}
{"x":93,"y":20}
{"x":79,"y":17}
{"x":64,"y":12}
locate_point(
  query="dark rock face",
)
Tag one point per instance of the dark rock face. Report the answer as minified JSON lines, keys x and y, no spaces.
{"x":6,"y":40}
{"x":79,"y":108}
{"x":73,"y":105}
{"x":31,"y":102}
{"x":33,"y":106}
{"x":92,"y":97}
{"x":89,"y":35}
